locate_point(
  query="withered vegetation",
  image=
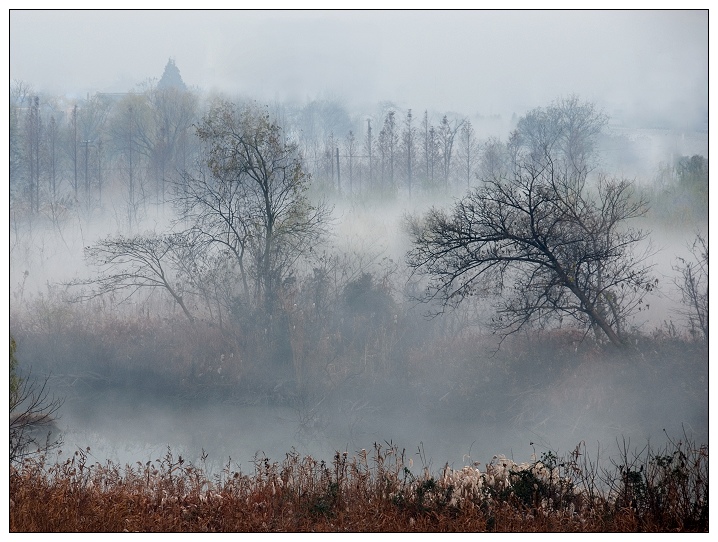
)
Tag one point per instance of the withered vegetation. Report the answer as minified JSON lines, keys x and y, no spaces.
{"x":372,"y":491}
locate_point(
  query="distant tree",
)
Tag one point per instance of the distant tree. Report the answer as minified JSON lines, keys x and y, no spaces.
{"x":92,"y":120}
{"x":446,"y":135}
{"x":132,"y":134}
{"x":388,"y":148}
{"x":368,"y":149}
{"x":173,"y":112}
{"x":314,"y":124}
{"x":566,"y":130}
{"x":330,"y":144}
{"x":19,"y":94}
{"x":33,"y":129}
{"x":693,"y":286}
{"x":693,"y":170}
{"x":350,"y":147}
{"x":680,"y":191}
{"x":430,"y":150}
{"x":72,"y":150}
{"x":408,"y":148}
{"x":467,"y":151}
{"x":494,"y":159}
{"x":52,"y":135}
{"x":692,"y":176}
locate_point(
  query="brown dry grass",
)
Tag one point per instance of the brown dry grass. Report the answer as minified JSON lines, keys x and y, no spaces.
{"x":370,"y":492}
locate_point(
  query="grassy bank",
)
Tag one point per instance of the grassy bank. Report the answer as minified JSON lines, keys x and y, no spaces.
{"x":663,"y":490}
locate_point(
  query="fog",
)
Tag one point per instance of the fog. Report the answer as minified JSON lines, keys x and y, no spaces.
{"x":647,"y":65}
{"x":361,"y":359}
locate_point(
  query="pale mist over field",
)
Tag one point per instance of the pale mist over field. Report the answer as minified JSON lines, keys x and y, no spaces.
{"x":105,"y":107}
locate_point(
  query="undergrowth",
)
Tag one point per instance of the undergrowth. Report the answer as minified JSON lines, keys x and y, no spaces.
{"x":647,"y":490}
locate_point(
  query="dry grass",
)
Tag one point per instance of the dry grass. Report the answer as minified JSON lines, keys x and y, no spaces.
{"x":370,"y":492}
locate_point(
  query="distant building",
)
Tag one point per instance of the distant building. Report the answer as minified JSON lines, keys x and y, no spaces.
{"x":171,"y":78}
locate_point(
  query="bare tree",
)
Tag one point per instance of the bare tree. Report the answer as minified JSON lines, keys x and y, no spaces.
{"x":129,"y":264}
{"x":566,"y":130}
{"x":91,"y":125}
{"x":33,"y":126}
{"x":368,"y":148}
{"x":430,"y":149}
{"x":494,"y":159}
{"x":544,"y":242}
{"x":253,"y":199}
{"x":19,"y":92}
{"x":218,"y":217}
{"x":408,"y":147}
{"x":32,"y":414}
{"x":445,"y":136}
{"x":388,"y":148}
{"x":693,"y":285}
{"x":131,"y":133}
{"x":350,"y":147}
{"x":467,"y":151}
{"x":550,"y":249}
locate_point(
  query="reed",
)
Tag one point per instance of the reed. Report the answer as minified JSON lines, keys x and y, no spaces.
{"x":371,"y":491}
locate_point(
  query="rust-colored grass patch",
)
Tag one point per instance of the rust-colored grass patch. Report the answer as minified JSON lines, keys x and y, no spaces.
{"x":369,"y":492}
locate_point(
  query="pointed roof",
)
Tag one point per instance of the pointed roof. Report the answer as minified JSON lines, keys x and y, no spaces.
{"x":171,"y":77}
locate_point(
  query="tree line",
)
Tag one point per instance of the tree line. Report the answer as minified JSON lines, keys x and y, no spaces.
{"x":539,"y":229}
{"x":125,"y":149}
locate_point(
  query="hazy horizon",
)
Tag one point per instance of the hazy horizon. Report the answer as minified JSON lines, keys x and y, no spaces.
{"x":649,"y":64}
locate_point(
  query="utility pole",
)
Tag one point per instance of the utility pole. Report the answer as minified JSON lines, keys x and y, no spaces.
{"x":36,"y":136}
{"x":74,"y":146}
{"x":339,"y":182}
{"x":99,"y":171}
{"x":86,"y":143}
{"x":369,"y":146}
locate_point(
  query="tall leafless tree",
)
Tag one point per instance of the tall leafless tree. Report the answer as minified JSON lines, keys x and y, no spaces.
{"x":368,"y":148}
{"x":32,"y":414}
{"x":388,"y":147}
{"x":494,"y":162}
{"x":140,"y":262}
{"x":446,"y":134}
{"x":544,"y":243}
{"x":693,"y":286}
{"x":253,"y":198}
{"x":408,"y":147}
{"x":351,"y":153}
{"x":34,"y":139}
{"x":467,"y":151}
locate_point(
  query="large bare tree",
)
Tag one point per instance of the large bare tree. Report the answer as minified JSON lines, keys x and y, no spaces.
{"x":251,"y":198}
{"x":693,"y":286}
{"x":543,"y":240}
{"x":140,"y":262}
{"x":32,"y":414}
{"x":550,"y":249}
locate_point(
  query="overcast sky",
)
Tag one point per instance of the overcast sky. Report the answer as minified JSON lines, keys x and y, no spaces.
{"x":648,"y":62}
